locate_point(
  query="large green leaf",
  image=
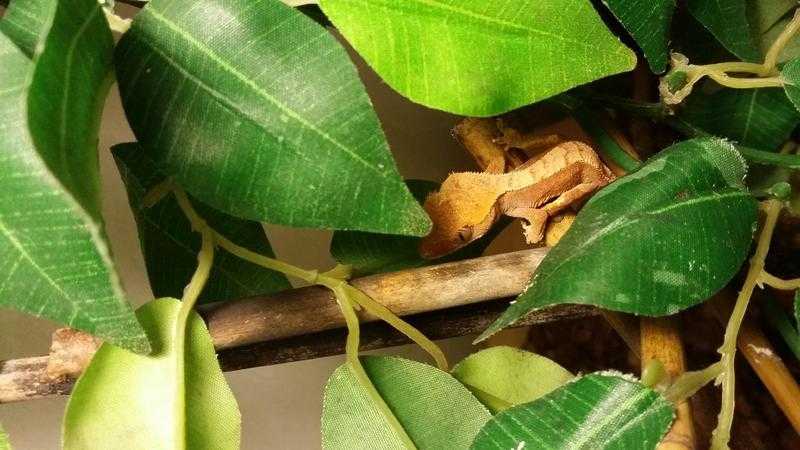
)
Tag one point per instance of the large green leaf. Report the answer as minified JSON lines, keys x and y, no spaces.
{"x":797,"y":309}
{"x":257,"y":111}
{"x":727,"y":21}
{"x":128,"y":401}
{"x":26,"y":21}
{"x":53,"y":255}
{"x":369,"y":253}
{"x":502,"y":377}
{"x":478,"y":57}
{"x":648,"y":21}
{"x":657,"y":241}
{"x":436,"y":411}
{"x":170,"y":245}
{"x":598,"y":411}
{"x":759,"y":118}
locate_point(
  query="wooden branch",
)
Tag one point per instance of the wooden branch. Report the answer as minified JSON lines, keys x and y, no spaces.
{"x":302,"y":323}
{"x":661,"y":340}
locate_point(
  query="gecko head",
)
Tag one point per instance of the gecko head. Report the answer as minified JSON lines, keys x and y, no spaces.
{"x":462,"y":211}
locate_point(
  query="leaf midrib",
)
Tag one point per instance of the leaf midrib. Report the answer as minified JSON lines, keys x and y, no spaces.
{"x":581,"y":248}
{"x":489,"y":20}
{"x":248,"y":82}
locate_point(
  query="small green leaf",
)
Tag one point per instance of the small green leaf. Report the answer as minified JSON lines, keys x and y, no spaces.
{"x":598,"y":411}
{"x":435,"y":409}
{"x":502,"y":377}
{"x":127,"y":401}
{"x":478,"y":57}
{"x":727,"y":21}
{"x":649,"y":23}
{"x":257,"y":111}
{"x":4,"y":442}
{"x":170,"y":246}
{"x":53,"y":254}
{"x":791,"y":78}
{"x":759,"y":118}
{"x":370,"y":253}
{"x":657,"y":241}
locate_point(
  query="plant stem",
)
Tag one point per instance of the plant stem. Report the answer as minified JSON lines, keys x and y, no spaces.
{"x":780,"y":320}
{"x":775,"y":50}
{"x":721,"y":434}
{"x":355,"y":367}
{"x":689,"y":383}
{"x":205,"y":260}
{"x":779,"y":283}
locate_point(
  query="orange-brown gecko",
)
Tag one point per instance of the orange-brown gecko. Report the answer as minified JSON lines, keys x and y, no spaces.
{"x":469,"y":203}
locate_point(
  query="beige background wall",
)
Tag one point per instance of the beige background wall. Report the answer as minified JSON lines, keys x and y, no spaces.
{"x":280,"y":405}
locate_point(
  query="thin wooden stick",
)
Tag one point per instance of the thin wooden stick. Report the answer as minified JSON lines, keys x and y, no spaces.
{"x":661,"y":340}
{"x":291,"y":325}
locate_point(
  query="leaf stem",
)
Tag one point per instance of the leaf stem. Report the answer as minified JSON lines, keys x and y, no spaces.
{"x":721,"y":434}
{"x":780,"y":320}
{"x":205,"y":260}
{"x":689,"y":383}
{"x":765,"y":74}
{"x":779,"y":283}
{"x":357,"y":369}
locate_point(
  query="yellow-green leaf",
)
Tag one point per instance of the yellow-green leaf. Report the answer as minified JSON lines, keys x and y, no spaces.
{"x":502,"y":377}
{"x":479,"y":57}
{"x":128,"y":401}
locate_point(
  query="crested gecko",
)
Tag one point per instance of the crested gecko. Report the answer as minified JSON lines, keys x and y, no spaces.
{"x":469,"y":203}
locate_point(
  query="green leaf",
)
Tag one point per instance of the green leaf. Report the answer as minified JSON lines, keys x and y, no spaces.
{"x":760,"y":118}
{"x":435,"y":409}
{"x":727,"y":21}
{"x":797,"y":309}
{"x":4,"y":443}
{"x":370,"y":253}
{"x":598,"y":411}
{"x":502,"y":377}
{"x":791,"y":77}
{"x":26,"y":21}
{"x":478,"y":57}
{"x":257,"y":111}
{"x":128,"y":401}
{"x":648,"y":22}
{"x":657,"y":241}
{"x":53,"y":254}
{"x":170,"y":246}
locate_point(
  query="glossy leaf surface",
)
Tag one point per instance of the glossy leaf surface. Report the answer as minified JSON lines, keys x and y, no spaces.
{"x":502,"y":377}
{"x":170,"y":246}
{"x":128,"y":401}
{"x":598,"y":411}
{"x":727,"y":21}
{"x":655,"y":242}
{"x":759,"y":118}
{"x":53,"y":254}
{"x":256,"y":110}
{"x":648,"y":22}
{"x":479,"y":58}
{"x":370,"y":253}
{"x":436,"y":410}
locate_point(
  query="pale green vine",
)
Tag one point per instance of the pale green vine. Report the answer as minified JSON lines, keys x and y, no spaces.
{"x":721,"y":435}
{"x":762,"y":75}
{"x":347,"y":296}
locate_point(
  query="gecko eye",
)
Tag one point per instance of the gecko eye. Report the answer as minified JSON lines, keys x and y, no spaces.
{"x":465,"y":234}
